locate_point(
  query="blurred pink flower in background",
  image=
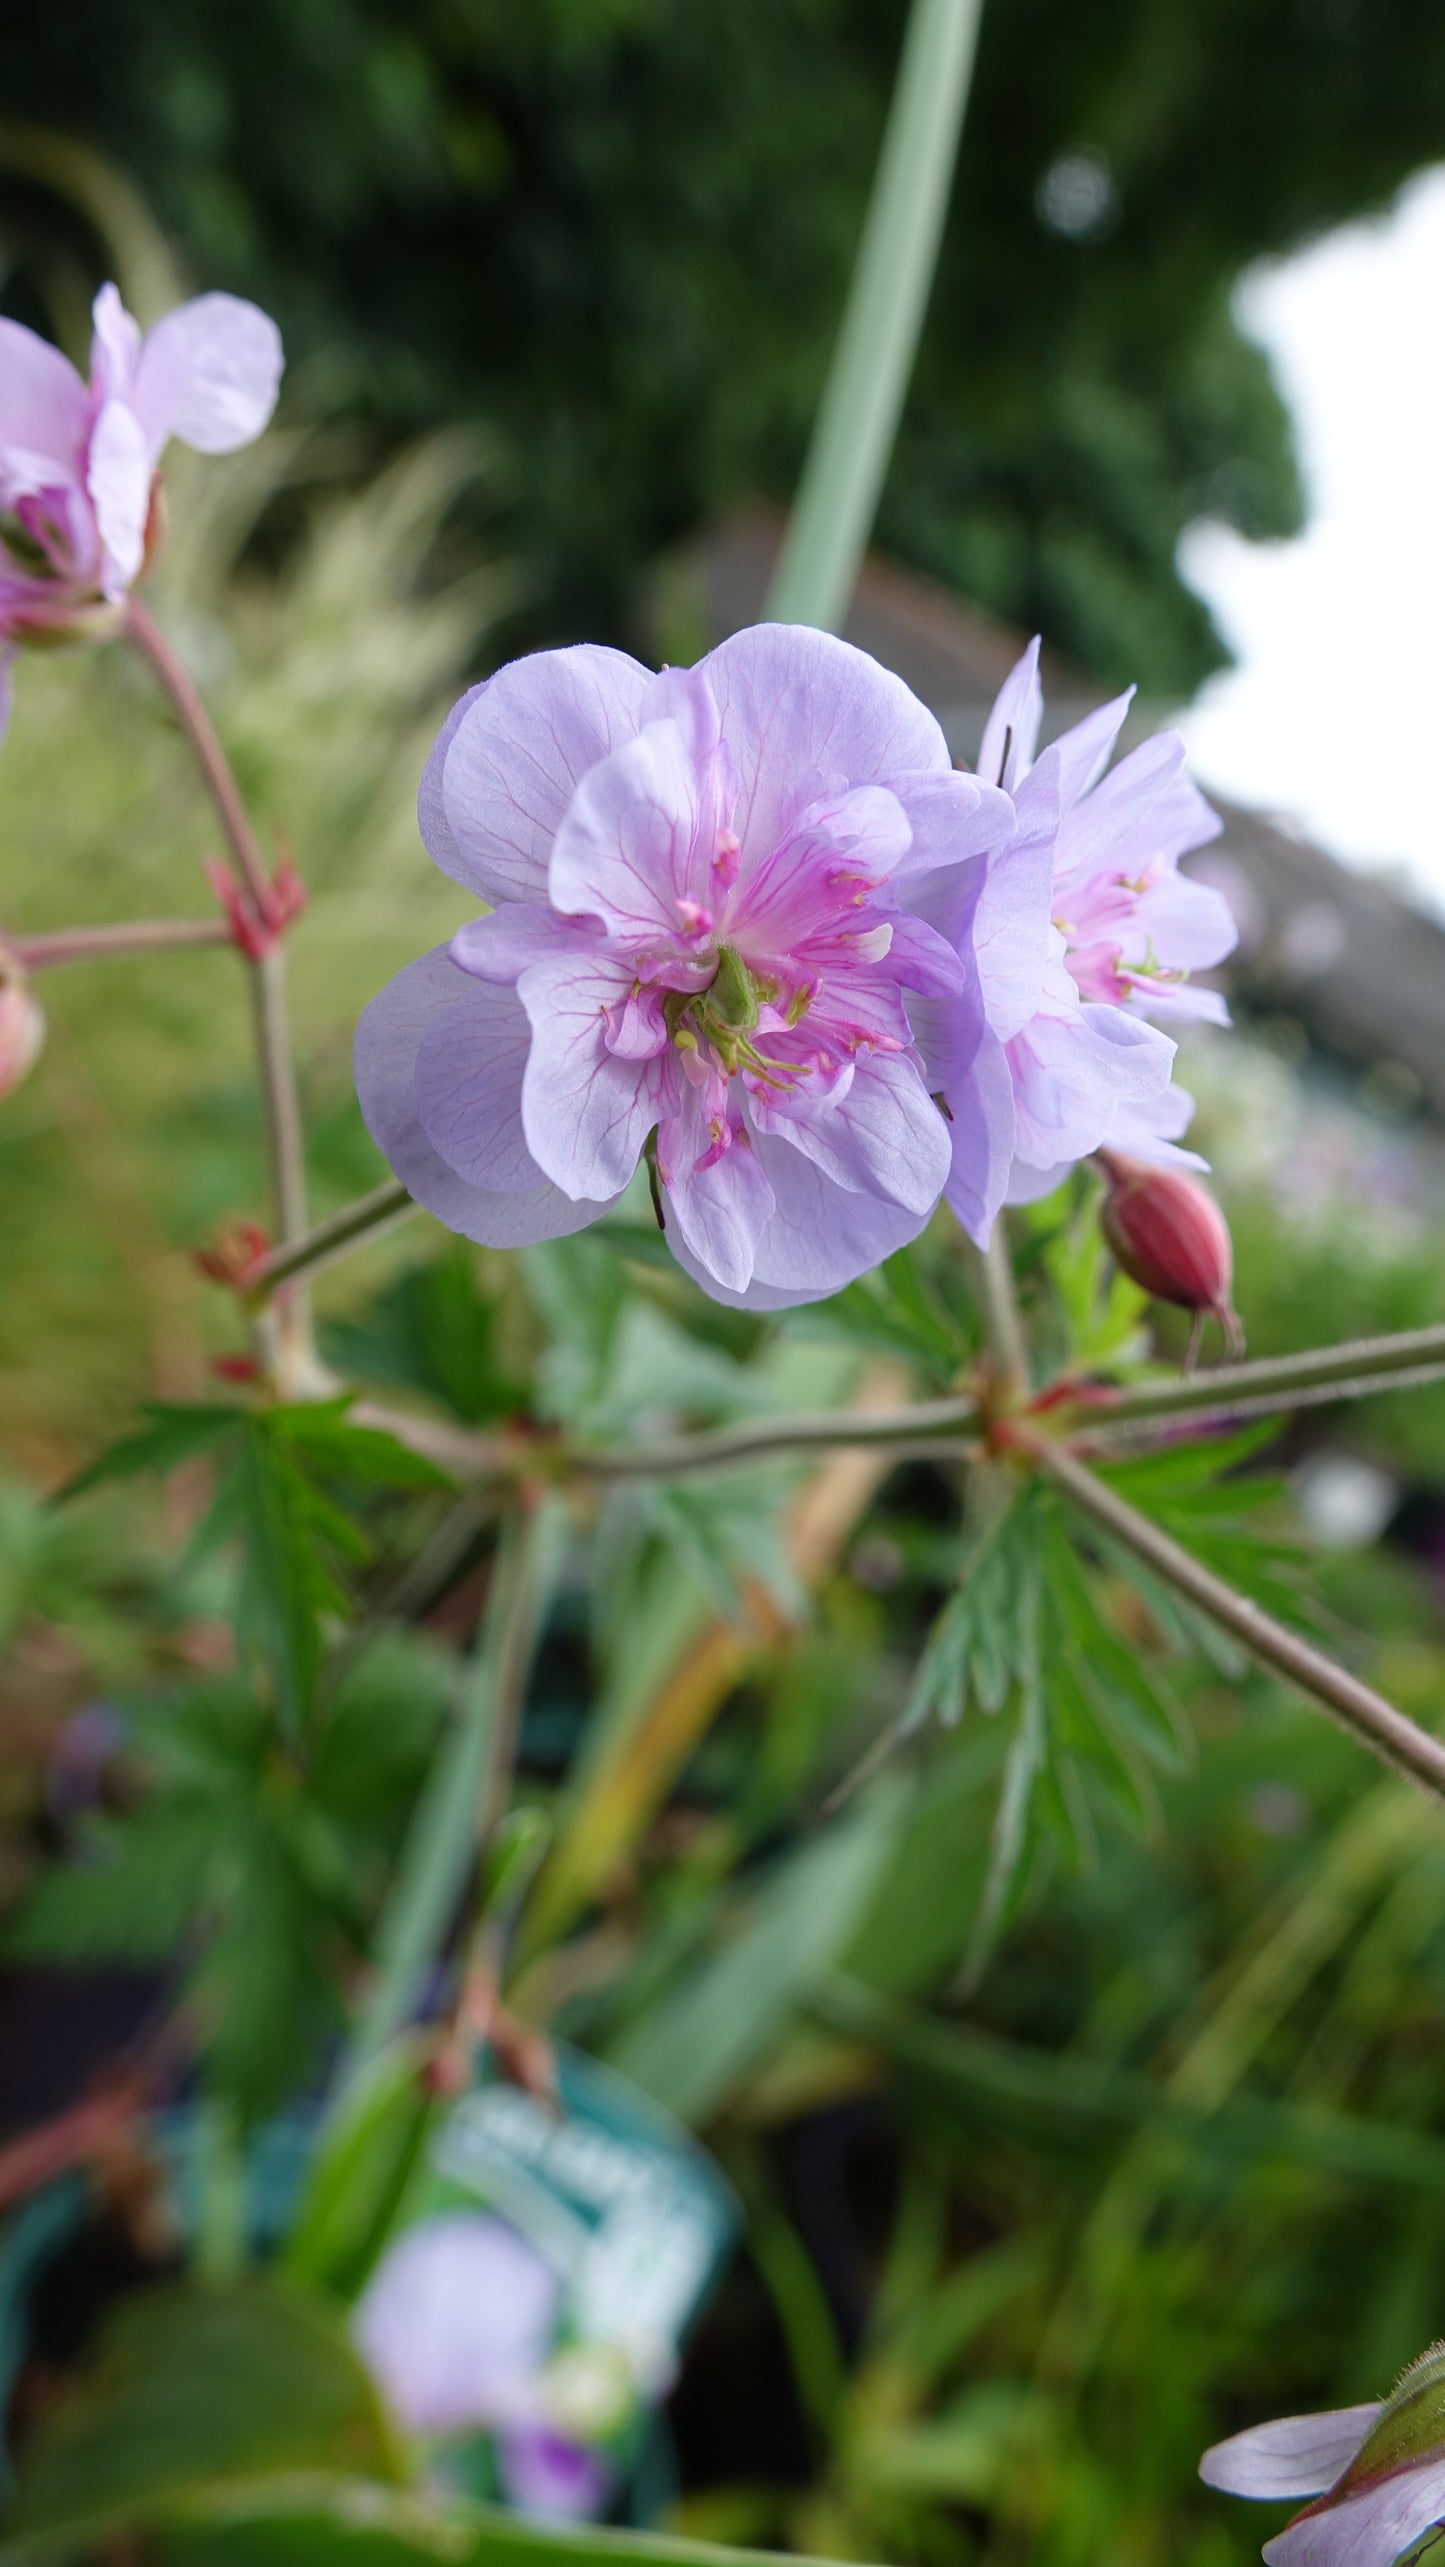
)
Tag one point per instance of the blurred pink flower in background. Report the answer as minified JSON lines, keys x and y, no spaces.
{"x":22,"y":1024}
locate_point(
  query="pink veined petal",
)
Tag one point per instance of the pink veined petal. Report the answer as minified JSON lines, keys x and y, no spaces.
{"x":982,"y":1130}
{"x":511,"y":757}
{"x":1372,"y":2529}
{"x":470,"y":1064}
{"x":1011,"y":733}
{"x":586,"y":1110}
{"x":1188,"y":925}
{"x":118,"y":478}
{"x":500,"y":947}
{"x":1152,"y":1128}
{"x":388,"y":1041}
{"x":1012,"y":933}
{"x":795,"y":702}
{"x":45,"y":409}
{"x":114,"y":348}
{"x":720,"y":1211}
{"x":1178,"y":999}
{"x":1296,"y":2455}
{"x":1121,"y":805}
{"x":1172,"y":826}
{"x":818,"y":1239}
{"x":953,"y":818}
{"x":683,"y":696}
{"x":209,"y":374}
{"x":628,"y":850}
{"x":1083,"y":752}
{"x":919,"y":958}
{"x":793,"y":894}
{"x":884,"y":1136}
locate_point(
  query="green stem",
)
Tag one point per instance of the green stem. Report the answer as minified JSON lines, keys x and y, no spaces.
{"x":330,"y":1239}
{"x":467,"y":1790}
{"x":1387,"y":1733}
{"x":1362,"y":1366}
{"x":873,"y":358}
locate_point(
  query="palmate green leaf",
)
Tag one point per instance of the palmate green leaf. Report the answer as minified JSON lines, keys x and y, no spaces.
{"x":141,"y":1883}
{"x":193,"y":2384}
{"x":433,"y":1328}
{"x":171,"y":1435}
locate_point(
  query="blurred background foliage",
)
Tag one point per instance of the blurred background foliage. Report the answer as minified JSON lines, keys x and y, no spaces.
{"x":1174,"y":2160}
{"x":618,"y":231}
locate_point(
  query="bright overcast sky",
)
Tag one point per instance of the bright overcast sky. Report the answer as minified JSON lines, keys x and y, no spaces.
{"x":1334,"y":713}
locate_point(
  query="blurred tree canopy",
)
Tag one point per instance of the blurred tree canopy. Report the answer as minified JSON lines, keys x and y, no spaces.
{"x":620,"y":230}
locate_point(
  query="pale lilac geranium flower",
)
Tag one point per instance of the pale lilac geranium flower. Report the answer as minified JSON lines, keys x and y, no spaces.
{"x":1067,"y":1059}
{"x":1376,"y":2474}
{"x":697,"y":950}
{"x":457,"y":2324}
{"x":78,"y":460}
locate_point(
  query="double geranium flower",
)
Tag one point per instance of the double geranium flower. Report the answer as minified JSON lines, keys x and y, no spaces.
{"x":748,"y":923}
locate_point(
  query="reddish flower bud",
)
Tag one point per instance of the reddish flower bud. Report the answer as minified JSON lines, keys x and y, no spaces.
{"x":235,"y":1249}
{"x":22,"y":1024}
{"x":1171,"y":1238}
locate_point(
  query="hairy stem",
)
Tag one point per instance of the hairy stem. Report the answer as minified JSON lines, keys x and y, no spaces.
{"x":101,"y":944}
{"x":1352,"y":1371}
{"x":276,"y":1071}
{"x":210,"y":756}
{"x":873,"y":358}
{"x":467,"y":1790}
{"x":1387,"y":1733}
{"x":335,"y":1237}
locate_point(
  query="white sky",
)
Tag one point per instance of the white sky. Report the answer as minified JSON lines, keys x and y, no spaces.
{"x":1334,"y":714}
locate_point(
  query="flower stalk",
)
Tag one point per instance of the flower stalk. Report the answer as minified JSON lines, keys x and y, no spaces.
{"x":127,"y":938}
{"x":1396,"y":1741}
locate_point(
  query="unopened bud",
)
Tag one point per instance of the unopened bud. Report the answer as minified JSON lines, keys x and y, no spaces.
{"x":237,"y":1247}
{"x":22,"y":1024}
{"x":1170,"y":1237}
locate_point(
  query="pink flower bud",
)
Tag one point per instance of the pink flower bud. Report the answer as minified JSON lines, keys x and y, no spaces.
{"x":22,"y":1024}
{"x":1170,"y":1237}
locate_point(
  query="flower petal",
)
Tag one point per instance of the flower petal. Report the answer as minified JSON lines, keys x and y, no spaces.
{"x":510,"y":757}
{"x":388,"y":1041}
{"x":586,"y":1110}
{"x":627,"y":850}
{"x":44,"y":407}
{"x":1083,"y":752}
{"x":983,"y":1127}
{"x":500,"y":946}
{"x":722,"y":1210}
{"x":797,"y":703}
{"x":1371,"y":2529}
{"x":1150,"y":1128}
{"x":114,"y":347}
{"x":883,"y":1136}
{"x":1011,"y":733}
{"x":1012,"y":933}
{"x":1297,"y":2455}
{"x":952,"y":818}
{"x":1092,"y":828}
{"x":818,"y":1239}
{"x":457,"y":2317}
{"x":209,"y":374}
{"x":118,"y":477}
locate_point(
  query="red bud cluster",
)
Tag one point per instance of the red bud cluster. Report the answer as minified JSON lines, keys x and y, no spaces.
{"x":1169,"y":1235}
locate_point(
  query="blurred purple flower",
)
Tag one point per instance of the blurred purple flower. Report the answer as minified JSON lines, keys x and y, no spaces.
{"x":1376,"y":2473}
{"x":77,"y":460}
{"x":542,"y":2475}
{"x":697,"y":951}
{"x":457,"y":2323}
{"x":1083,"y":926}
